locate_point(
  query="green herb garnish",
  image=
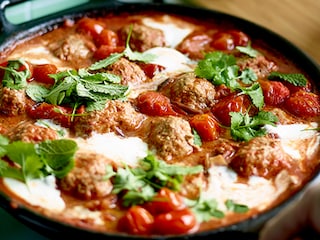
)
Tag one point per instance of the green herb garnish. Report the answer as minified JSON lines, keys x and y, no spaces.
{"x":248,"y":50}
{"x":36,"y":160}
{"x":235,"y":207}
{"x":140,"y":184}
{"x":297,"y":79}
{"x":244,"y":127}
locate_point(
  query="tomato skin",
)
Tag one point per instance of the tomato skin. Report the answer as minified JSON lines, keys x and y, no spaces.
{"x":137,"y":220}
{"x":228,"y":40}
{"x":47,"y":111}
{"x":90,"y":26}
{"x":274,"y":92}
{"x":105,"y":51}
{"x":164,"y":201}
{"x":293,"y":89}
{"x":303,"y":104}
{"x":155,"y":104}
{"x":107,"y":37}
{"x":41,"y":71}
{"x":206,"y":126}
{"x":175,"y":222}
{"x":151,"y":69}
{"x":231,"y":103}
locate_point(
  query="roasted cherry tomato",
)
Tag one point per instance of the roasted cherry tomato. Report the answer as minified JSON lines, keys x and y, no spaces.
{"x":303,"y":104}
{"x":41,"y":73}
{"x":107,"y":37}
{"x":59,"y":114}
{"x":90,"y":26}
{"x":228,"y":40}
{"x":293,"y":88}
{"x":105,"y":51}
{"x":175,"y":222}
{"x":151,"y":69}
{"x":231,"y":103}
{"x":274,"y":92}
{"x":206,"y":126}
{"x":137,"y":220}
{"x":155,"y":104}
{"x":165,"y":201}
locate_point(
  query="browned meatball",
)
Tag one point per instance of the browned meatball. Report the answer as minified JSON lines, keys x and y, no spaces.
{"x":262,"y":157}
{"x":171,"y":137}
{"x":260,"y":65}
{"x":74,"y":48}
{"x":142,"y":37}
{"x":86,"y":179}
{"x":117,"y":116}
{"x":12,"y":102}
{"x":192,"y":94}
{"x":130,"y":72}
{"x":30,"y":132}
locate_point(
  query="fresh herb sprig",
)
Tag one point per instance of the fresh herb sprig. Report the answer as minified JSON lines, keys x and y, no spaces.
{"x":36,"y":160}
{"x":244,"y":127}
{"x":297,"y":79}
{"x":221,"y":68}
{"x":140,"y":184}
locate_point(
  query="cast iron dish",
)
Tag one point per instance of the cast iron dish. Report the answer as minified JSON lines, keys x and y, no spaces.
{"x":12,"y":34}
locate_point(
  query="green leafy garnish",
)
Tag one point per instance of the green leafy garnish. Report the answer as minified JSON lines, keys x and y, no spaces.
{"x":16,"y":74}
{"x":244,"y":127}
{"x":36,"y":160}
{"x":80,"y":87}
{"x":140,"y":184}
{"x":297,"y":79}
{"x":235,"y":207}
{"x":196,"y":138}
{"x":131,"y":55}
{"x":221,"y":68}
{"x":248,"y":50}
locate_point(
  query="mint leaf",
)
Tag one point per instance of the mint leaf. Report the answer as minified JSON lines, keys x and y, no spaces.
{"x":235,"y":207}
{"x":297,"y":79}
{"x":248,"y":50}
{"x":14,"y":77}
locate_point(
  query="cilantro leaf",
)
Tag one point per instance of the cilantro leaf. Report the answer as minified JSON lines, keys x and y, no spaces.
{"x":196,"y":138}
{"x":141,"y":183}
{"x":255,"y":93}
{"x":14,"y":77}
{"x":244,"y":128}
{"x":106,"y":62}
{"x":296,"y":79}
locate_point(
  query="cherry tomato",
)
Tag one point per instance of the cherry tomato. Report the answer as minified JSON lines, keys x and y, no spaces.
{"x":105,"y":51}
{"x":206,"y":126}
{"x":303,"y":104}
{"x":175,"y":222}
{"x":274,"y":92}
{"x":228,"y":40}
{"x":137,"y":220}
{"x":155,"y":104}
{"x":107,"y":37}
{"x":49,"y":111}
{"x":293,"y":88}
{"x":194,"y":45}
{"x":151,"y":69}
{"x":90,"y":26}
{"x":231,"y":103}
{"x":41,"y":73}
{"x":165,"y":201}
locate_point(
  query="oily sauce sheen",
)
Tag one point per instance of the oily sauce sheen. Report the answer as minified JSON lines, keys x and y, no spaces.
{"x":174,"y":110}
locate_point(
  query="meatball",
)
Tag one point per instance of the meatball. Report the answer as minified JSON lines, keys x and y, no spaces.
{"x":130,"y":72}
{"x":75,"y":48}
{"x":143,"y":37}
{"x":171,"y":137}
{"x":192,"y":94}
{"x":262,"y":157}
{"x":86,"y":180}
{"x":260,"y":65}
{"x":12,"y":102}
{"x":117,"y":116}
{"x":28,"y":131}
